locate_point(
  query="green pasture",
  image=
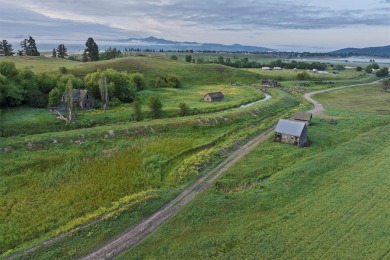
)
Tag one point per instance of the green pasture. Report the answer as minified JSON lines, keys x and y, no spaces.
{"x":40,"y":64}
{"x":190,"y":74}
{"x":370,"y":98}
{"x":66,"y":179}
{"x":284,"y":202}
{"x":25,"y":120}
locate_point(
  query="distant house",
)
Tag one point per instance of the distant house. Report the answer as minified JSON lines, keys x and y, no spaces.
{"x":81,"y":98}
{"x":213,"y":96}
{"x":303,"y":117}
{"x":270,"y":82}
{"x":291,"y":132}
{"x":277,"y":68}
{"x":265,"y":68}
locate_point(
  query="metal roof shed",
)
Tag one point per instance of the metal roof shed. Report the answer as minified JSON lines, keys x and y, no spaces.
{"x":291,"y":132}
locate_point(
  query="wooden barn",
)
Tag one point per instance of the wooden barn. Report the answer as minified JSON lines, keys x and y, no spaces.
{"x":291,"y":132}
{"x":213,"y":96}
{"x":270,"y":83}
{"x":81,"y":97}
{"x":303,"y":117}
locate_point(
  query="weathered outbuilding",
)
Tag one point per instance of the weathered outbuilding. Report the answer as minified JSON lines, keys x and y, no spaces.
{"x":270,"y":82}
{"x":303,"y":117}
{"x":81,"y":98}
{"x":291,"y":132}
{"x":213,"y":96}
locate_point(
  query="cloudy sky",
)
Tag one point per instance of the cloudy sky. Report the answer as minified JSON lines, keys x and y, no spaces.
{"x":300,"y":25}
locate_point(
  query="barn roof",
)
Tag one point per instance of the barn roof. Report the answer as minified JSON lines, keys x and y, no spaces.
{"x":215,"y":94}
{"x":302,"y":116}
{"x":290,"y":127}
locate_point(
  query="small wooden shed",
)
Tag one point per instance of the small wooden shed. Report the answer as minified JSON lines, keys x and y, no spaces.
{"x":291,"y":132}
{"x":303,"y":117}
{"x":213,"y":96}
{"x":270,"y":83}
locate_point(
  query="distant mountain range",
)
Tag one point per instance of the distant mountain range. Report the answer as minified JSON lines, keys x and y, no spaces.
{"x":157,"y":44}
{"x":153,"y":43}
{"x":377,"y":51}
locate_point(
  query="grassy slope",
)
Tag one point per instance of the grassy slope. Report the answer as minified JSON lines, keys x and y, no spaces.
{"x":191,"y":74}
{"x":52,"y":173}
{"x":318,"y":81}
{"x":326,"y":201}
{"x":40,"y":64}
{"x":198,"y":79}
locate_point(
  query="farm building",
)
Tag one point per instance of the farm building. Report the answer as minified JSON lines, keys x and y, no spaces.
{"x":213,"y":96}
{"x":291,"y":132}
{"x":303,"y":117}
{"x":270,"y":82}
{"x":81,"y":98}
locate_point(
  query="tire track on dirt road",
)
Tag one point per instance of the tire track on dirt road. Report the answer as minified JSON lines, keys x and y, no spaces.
{"x":140,"y":231}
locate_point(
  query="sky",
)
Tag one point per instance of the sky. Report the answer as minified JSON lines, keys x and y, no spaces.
{"x":312,"y":25}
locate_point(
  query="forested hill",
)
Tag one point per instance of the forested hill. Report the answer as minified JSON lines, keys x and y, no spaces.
{"x":383,"y":50}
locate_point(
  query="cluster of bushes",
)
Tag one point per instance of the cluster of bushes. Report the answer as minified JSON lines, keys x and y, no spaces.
{"x":24,"y":87}
{"x":18,"y":87}
{"x":121,"y":85}
{"x":168,"y":81}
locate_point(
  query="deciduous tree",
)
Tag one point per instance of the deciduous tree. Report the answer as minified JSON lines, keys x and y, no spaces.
{"x":103,"y":88}
{"x":137,"y":111}
{"x":155,"y":105}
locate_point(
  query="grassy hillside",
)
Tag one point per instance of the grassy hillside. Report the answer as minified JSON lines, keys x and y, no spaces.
{"x":325,"y":201}
{"x":54,"y":182}
{"x":191,"y":74}
{"x":40,"y":64}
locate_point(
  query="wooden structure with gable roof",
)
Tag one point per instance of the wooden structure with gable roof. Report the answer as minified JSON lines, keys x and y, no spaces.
{"x":213,"y":96}
{"x":291,"y":132}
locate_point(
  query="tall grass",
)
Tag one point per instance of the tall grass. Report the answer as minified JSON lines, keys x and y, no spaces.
{"x":325,"y":201}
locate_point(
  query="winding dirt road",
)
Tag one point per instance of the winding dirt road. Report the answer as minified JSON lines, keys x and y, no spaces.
{"x":140,"y":231}
{"x":319,"y":108}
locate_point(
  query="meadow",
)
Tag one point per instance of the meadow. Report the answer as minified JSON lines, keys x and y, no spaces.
{"x":54,"y":182}
{"x":325,"y":201}
{"x":97,"y":177}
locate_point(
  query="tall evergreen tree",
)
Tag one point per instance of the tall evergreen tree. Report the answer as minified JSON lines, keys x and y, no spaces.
{"x":61,"y":51}
{"x":29,"y":47}
{"x":6,"y":48}
{"x":91,"y":52}
{"x":54,"y":55}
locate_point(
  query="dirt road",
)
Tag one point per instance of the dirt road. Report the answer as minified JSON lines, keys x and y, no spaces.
{"x":140,"y":231}
{"x":319,"y":108}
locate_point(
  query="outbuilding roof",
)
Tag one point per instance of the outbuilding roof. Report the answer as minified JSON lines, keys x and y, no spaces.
{"x":302,"y":116}
{"x":214,"y":95}
{"x":289,"y":127}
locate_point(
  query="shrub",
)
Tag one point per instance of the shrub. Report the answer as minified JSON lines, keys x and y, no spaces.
{"x":137,"y":112}
{"x":303,"y":76}
{"x":184,"y":109}
{"x":170,"y":80}
{"x":155,"y":106}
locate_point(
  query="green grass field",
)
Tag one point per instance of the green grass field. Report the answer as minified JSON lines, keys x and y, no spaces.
{"x":316,"y":202}
{"x":325,"y":201}
{"x":77,"y":183}
{"x":40,"y":64}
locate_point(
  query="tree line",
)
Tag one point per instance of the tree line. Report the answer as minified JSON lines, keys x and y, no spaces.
{"x":90,"y":53}
{"x":24,"y":87}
